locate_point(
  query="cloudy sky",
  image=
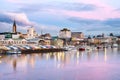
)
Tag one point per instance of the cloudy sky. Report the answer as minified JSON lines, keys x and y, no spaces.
{"x":49,"y":16}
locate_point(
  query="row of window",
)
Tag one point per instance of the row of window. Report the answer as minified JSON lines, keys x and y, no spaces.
{"x":13,"y":42}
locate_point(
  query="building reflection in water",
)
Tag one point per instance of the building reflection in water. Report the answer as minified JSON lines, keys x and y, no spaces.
{"x":77,"y":57}
{"x":88,"y":56}
{"x":115,"y":50}
{"x":105,"y":54}
{"x":96,"y":55}
{"x":0,"y":61}
{"x":56,"y":59}
{"x":59,"y":59}
{"x":14,"y":64}
{"x":32,"y":61}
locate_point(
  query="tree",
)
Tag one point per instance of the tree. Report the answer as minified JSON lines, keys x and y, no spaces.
{"x":111,"y":34}
{"x":89,"y":37}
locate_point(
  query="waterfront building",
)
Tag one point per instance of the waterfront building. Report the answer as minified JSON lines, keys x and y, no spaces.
{"x":57,"y":42}
{"x":45,"y":36}
{"x":77,"y":35}
{"x":77,"y":38}
{"x":101,"y":40}
{"x":15,"y":36}
{"x":114,"y":39}
{"x":65,"y":34}
{"x":46,"y":39}
{"x":34,"y":41}
{"x":13,"y":42}
{"x":38,"y":41}
{"x":47,"y":42}
{"x":31,"y":33}
{"x":2,"y":36}
{"x":8,"y":35}
{"x":23,"y":36}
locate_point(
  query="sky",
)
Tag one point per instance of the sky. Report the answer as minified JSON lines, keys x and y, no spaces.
{"x":50,"y":16}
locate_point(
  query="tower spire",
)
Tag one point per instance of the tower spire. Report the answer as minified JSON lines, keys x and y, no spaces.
{"x":14,"y":27}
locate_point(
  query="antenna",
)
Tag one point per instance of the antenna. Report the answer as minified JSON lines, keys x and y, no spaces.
{"x":41,"y":31}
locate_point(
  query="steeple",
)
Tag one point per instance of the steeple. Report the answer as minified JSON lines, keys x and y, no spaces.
{"x":14,"y":27}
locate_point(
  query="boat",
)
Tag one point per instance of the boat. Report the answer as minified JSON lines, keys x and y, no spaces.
{"x":13,"y":52}
{"x":81,"y":48}
{"x":88,"y":48}
{"x":99,"y":47}
{"x":68,"y":48}
{"x":114,"y":46}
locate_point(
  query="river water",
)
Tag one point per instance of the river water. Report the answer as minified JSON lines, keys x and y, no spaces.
{"x":71,"y":65}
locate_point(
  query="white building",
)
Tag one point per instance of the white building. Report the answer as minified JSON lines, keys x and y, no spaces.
{"x":2,"y":37}
{"x":31,"y":33}
{"x":65,"y":33}
{"x":15,"y":36}
{"x":13,"y":42}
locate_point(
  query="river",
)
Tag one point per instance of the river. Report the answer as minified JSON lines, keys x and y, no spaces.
{"x":71,"y":65}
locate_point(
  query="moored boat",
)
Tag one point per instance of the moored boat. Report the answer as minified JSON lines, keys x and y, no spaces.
{"x":114,"y":46}
{"x":82,"y":48}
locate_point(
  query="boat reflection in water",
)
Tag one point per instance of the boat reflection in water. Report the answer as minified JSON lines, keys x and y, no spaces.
{"x":70,"y":65}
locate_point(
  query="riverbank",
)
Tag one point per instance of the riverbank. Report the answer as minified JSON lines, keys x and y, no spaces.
{"x":29,"y":51}
{"x":42,"y":50}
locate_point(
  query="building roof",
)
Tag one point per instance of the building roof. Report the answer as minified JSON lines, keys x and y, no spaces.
{"x":3,"y":33}
{"x":76,"y":32}
{"x":65,"y":29}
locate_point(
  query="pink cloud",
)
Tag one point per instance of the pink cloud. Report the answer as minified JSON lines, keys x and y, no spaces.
{"x":20,"y":17}
{"x":101,"y":13}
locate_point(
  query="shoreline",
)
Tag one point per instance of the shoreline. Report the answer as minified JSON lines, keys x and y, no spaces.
{"x":41,"y":51}
{"x":30,"y":51}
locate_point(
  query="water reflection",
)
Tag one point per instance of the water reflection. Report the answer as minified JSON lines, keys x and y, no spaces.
{"x":105,"y":54}
{"x":74,"y":61}
{"x":14,"y":64}
{"x":59,"y":59}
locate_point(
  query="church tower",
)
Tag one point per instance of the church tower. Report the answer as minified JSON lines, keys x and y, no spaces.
{"x":14,"y":27}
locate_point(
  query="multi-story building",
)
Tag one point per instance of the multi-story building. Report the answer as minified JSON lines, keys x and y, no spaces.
{"x":77,"y":38}
{"x":65,"y":33}
{"x":31,"y":33}
{"x":57,"y":42}
{"x":45,"y":36}
{"x":78,"y":35}
{"x":13,"y":42}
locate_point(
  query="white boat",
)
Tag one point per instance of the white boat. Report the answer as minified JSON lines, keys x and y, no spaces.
{"x":114,"y":46}
{"x":13,"y":52}
{"x":68,"y":48}
{"x":88,"y":48}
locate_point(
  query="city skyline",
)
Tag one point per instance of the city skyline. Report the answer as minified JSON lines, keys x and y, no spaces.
{"x":99,"y":16}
